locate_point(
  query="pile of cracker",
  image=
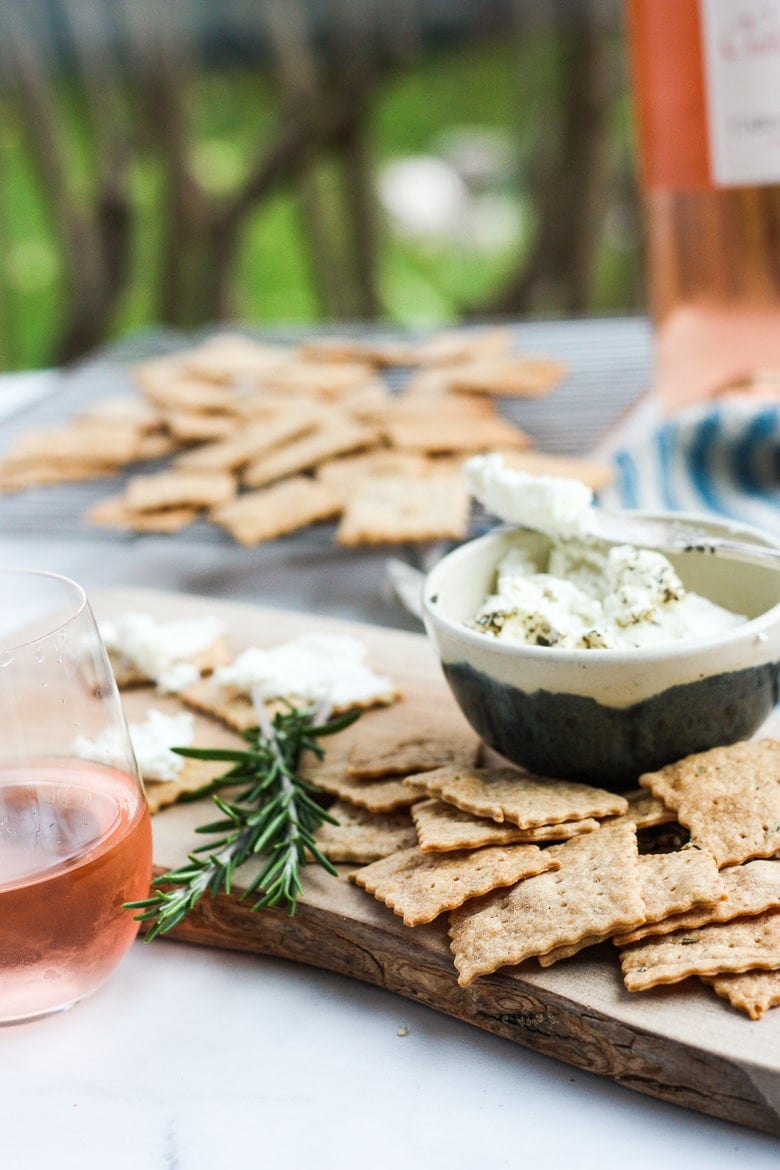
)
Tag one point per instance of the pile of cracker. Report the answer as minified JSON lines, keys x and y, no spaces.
{"x":262,"y":440}
{"x":533,"y":869}
{"x":681,"y":877}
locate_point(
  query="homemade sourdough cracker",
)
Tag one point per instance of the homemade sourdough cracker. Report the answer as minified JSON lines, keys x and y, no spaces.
{"x":728,"y":797}
{"x":442,"y":828}
{"x":402,"y":752}
{"x":113,"y":512}
{"x":393,"y":509}
{"x":419,"y":887}
{"x":302,"y":453}
{"x":512,"y":375}
{"x":527,"y":801}
{"x":754,"y":992}
{"x":274,"y":511}
{"x":750,"y":889}
{"x":595,"y":892}
{"x":722,"y":948}
{"x":361,"y":836}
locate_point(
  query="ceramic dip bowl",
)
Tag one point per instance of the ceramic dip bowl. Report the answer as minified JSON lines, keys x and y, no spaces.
{"x":604,"y":716}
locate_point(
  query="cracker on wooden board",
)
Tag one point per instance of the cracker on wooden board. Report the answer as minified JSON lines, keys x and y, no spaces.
{"x":675,"y":882}
{"x":596,"y":892}
{"x":750,"y":889}
{"x":442,"y":828}
{"x":394,"y":509}
{"x":127,"y":674}
{"x":276,"y":510}
{"x":753,"y":992}
{"x":728,"y":797}
{"x":302,"y":453}
{"x":380,"y":796}
{"x":525,"y":800}
{"x":421,"y":886}
{"x":512,"y":375}
{"x":399,"y":751}
{"x":647,"y":811}
{"x":744,"y":944}
{"x":362,"y":836}
{"x":194,"y":774}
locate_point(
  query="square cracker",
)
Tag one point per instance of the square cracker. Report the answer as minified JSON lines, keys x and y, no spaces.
{"x":750,"y":889}
{"x":376,"y":754}
{"x":337,"y":436}
{"x":670,"y":883}
{"x":179,"y":489}
{"x":229,"y":357}
{"x":647,"y":811}
{"x":380,"y":796}
{"x":194,"y":775}
{"x":745,"y":944}
{"x":419,"y":887}
{"x":442,"y":828}
{"x":391,"y":509}
{"x":446,"y":429}
{"x":595,"y":892}
{"x":507,"y":794}
{"x":274,"y":511}
{"x":728,"y":797}
{"x":361,"y":836}
{"x":754,"y":992}
{"x":512,"y":376}
{"x":252,"y":440}
{"x":673,"y":883}
{"x":113,"y":512}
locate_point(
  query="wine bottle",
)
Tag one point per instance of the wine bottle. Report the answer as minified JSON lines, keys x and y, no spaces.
{"x":706,"y":87}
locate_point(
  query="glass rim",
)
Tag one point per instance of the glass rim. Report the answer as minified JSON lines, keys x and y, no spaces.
{"x":80,"y":604}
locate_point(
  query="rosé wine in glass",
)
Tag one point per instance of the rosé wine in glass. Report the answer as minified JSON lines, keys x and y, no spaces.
{"x":75,"y":834}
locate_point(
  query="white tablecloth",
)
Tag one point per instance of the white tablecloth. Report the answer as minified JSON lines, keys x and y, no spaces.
{"x":193,"y":1059}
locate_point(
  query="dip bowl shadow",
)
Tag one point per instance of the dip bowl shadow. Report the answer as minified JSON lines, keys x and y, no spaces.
{"x":604,"y":717}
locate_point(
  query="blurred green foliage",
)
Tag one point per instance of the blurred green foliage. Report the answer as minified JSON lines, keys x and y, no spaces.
{"x":471,"y":84}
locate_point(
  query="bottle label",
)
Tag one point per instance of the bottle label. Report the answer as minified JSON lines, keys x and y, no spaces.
{"x":741,"y":51}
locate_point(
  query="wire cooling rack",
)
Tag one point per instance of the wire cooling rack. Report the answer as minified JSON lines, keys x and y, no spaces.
{"x":608,"y":362}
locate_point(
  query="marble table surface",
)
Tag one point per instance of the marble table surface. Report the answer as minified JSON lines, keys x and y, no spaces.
{"x":195,"y":1059}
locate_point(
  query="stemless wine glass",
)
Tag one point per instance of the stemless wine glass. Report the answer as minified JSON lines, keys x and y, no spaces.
{"x":75,"y":833}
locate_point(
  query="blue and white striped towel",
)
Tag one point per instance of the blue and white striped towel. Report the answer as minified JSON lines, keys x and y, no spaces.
{"x":723,"y":459}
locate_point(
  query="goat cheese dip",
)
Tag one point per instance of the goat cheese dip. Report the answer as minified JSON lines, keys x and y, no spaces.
{"x":579,"y":592}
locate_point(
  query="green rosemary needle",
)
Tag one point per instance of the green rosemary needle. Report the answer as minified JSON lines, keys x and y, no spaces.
{"x":273,"y":816}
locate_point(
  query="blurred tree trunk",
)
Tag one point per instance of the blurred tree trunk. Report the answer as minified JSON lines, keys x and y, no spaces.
{"x":569,"y":170}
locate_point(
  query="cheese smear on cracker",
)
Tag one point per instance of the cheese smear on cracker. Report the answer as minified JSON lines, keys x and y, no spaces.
{"x":580,"y":592}
{"x":152,"y":742}
{"x":162,"y":651}
{"x":314,"y":667}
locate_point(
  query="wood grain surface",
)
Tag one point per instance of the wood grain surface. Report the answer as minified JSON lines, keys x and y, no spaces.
{"x":681,"y":1044}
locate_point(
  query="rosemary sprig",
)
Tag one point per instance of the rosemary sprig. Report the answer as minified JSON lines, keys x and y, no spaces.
{"x":275,"y":815}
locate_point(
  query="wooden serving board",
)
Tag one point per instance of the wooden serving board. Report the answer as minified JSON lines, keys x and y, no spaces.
{"x":682,"y":1044}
